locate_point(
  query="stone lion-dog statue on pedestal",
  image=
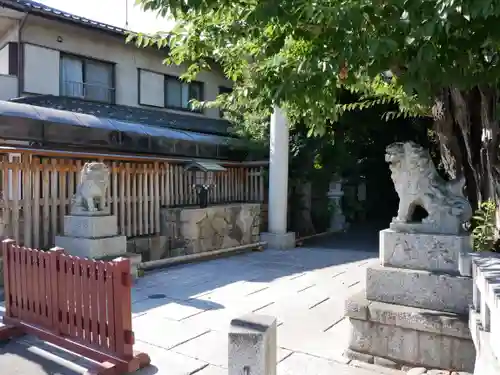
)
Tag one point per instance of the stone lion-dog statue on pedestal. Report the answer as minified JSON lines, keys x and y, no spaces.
{"x":418,"y":184}
{"x":94,"y":181}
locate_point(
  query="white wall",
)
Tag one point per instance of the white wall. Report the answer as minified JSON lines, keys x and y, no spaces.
{"x":4,"y":60}
{"x":42,"y":65}
{"x":8,"y":87}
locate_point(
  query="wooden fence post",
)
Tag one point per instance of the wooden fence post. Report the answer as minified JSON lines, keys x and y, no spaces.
{"x":7,"y":255}
{"x":122,"y":282}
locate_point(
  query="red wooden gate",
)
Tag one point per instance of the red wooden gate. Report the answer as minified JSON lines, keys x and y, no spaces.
{"x":79,"y":304}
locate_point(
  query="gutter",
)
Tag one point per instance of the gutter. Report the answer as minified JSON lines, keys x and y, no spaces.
{"x":20,"y":55}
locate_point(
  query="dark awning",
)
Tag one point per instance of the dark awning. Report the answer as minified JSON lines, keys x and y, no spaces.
{"x":205,"y":166}
{"x":50,"y":115}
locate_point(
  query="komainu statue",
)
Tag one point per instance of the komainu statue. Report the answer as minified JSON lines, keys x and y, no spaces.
{"x":94,"y":180}
{"x":418,"y":184}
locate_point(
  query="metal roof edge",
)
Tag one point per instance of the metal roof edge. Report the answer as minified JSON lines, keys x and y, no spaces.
{"x":124,"y":157}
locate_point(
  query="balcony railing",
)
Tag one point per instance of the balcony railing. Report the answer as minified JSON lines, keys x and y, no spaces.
{"x":88,"y":91}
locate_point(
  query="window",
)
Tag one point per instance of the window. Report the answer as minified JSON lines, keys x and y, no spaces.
{"x":87,"y":79}
{"x":224,"y":90}
{"x":178,"y":94}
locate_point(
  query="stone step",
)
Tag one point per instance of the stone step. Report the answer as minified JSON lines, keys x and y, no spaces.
{"x":422,"y":251}
{"x":408,"y":336}
{"x":417,"y":288}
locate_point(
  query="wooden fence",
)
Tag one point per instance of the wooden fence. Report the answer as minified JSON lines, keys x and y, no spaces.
{"x":81,"y":305}
{"x":36,"y":194}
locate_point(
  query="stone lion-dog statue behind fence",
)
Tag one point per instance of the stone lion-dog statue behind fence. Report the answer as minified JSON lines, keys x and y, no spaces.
{"x":94,"y":181}
{"x":418,"y":183}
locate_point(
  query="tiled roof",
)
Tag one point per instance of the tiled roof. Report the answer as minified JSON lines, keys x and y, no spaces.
{"x":131,"y":114}
{"x":38,"y":8}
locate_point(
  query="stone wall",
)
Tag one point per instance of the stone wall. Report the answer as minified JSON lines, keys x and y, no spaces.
{"x":192,"y":230}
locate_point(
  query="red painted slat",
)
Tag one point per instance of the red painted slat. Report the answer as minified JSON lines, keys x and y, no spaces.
{"x":103,"y":342}
{"x":7,"y":262}
{"x":30,"y":282}
{"x":24,"y":293}
{"x":53,"y":289}
{"x":78,"y":297}
{"x":37,"y":301}
{"x":94,"y":313}
{"x":18,"y":282}
{"x":27,"y":279}
{"x":70,"y":293}
{"x":110,"y":303}
{"x":43,"y":282}
{"x":86,"y":301}
{"x":62,"y":281}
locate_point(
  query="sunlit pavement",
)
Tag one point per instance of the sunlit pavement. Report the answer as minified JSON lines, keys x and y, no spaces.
{"x":181,"y":315}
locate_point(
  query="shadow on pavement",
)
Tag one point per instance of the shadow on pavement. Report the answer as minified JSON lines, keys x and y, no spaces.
{"x":185,"y":284}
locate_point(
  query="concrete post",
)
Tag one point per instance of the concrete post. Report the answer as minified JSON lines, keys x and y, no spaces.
{"x":252,"y":345}
{"x":277,"y":237}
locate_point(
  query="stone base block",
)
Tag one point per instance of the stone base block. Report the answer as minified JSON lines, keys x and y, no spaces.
{"x":423,"y":289}
{"x":279,"y":241}
{"x":90,"y":226}
{"x":408,"y":336}
{"x":93,"y":247}
{"x":252,"y":345}
{"x":422,"y":251}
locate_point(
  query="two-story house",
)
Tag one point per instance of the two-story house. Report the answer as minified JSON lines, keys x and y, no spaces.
{"x":123,"y":96}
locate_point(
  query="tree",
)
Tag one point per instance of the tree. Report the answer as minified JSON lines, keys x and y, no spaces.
{"x":434,"y":58}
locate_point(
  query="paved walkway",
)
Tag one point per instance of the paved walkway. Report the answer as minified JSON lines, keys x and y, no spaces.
{"x":182,"y":314}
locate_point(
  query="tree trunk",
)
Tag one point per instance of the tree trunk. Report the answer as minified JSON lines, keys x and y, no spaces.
{"x":302,"y":217}
{"x":466,"y":126}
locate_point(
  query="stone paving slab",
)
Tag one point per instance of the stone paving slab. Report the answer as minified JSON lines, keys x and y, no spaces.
{"x":305,"y":364}
{"x":167,"y":361}
{"x":328,"y":345}
{"x":171,"y":309}
{"x":164,"y":333}
{"x":25,"y":357}
{"x":212,"y":348}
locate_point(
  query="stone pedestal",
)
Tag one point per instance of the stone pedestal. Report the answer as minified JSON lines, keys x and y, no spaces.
{"x":413,"y":311}
{"x":92,"y":236}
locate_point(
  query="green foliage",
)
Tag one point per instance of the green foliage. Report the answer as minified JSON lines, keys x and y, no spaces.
{"x":298,"y":54}
{"x":484,"y":236}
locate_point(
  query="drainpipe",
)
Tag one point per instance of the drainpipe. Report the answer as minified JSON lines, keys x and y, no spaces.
{"x":20,"y":55}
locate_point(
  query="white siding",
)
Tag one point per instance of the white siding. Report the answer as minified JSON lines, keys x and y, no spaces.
{"x":8,"y":87}
{"x":98,"y":45}
{"x":4,"y":60}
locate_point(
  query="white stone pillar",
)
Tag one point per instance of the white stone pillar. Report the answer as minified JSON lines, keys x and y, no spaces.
{"x":278,"y":237}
